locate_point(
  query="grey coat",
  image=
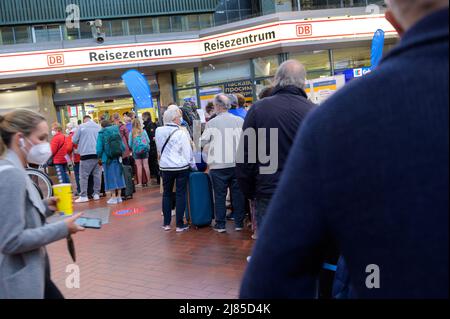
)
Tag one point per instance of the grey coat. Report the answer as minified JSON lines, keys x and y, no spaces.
{"x":23,"y":233}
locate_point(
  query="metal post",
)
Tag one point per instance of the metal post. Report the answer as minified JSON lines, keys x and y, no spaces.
{"x":331,"y":59}
{"x":253,"y":76}
{"x":197,"y":88}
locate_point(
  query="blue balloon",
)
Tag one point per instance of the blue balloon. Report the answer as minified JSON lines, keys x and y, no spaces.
{"x":377,"y":48}
{"x":139,"y":89}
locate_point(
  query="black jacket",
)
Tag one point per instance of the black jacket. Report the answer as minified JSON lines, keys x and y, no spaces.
{"x":150,"y":127}
{"x":284,"y":110}
{"x":369,"y":172}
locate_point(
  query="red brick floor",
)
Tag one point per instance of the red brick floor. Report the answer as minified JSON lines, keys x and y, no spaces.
{"x":133,"y":258}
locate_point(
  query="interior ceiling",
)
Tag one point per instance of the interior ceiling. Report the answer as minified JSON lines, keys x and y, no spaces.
{"x":17,"y":86}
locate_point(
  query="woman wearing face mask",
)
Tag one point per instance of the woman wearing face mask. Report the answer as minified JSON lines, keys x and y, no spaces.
{"x":61,"y":147}
{"x":24,"y":264}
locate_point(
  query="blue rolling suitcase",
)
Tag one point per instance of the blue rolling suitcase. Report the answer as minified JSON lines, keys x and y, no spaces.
{"x":200,"y":200}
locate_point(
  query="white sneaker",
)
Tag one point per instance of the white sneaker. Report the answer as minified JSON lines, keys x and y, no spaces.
{"x":82,"y":200}
{"x":112,"y":201}
{"x":182,"y":229}
{"x":96,"y":197}
{"x":248,"y":258}
{"x":254,"y":237}
{"x":162,"y":213}
{"x":119,"y":200}
{"x":174,"y":212}
{"x":166,"y":228}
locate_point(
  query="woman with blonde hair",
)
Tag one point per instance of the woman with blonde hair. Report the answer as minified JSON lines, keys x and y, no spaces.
{"x":24,"y":262}
{"x":140,"y":146}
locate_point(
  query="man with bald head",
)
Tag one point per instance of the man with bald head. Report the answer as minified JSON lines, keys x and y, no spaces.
{"x":284,"y":112}
{"x":369,"y":173}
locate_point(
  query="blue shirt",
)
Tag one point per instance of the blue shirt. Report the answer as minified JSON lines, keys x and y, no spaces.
{"x":241,"y":112}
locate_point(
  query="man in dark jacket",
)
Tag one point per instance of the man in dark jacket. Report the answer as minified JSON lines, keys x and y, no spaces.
{"x":150,"y":127}
{"x":284,"y":111}
{"x":369,"y":172}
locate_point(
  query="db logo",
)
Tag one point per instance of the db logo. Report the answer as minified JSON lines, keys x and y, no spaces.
{"x":56,"y":59}
{"x":304,"y":30}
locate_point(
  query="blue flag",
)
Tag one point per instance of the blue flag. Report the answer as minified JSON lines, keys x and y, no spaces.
{"x":377,"y":48}
{"x":139,"y":89}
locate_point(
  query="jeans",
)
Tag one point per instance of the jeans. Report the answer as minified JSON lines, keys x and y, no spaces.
{"x":61,"y":172}
{"x":88,"y":167}
{"x":222,"y":179}
{"x":261,"y":209}
{"x":153,"y":163}
{"x":169,"y":179}
{"x":76,"y":170}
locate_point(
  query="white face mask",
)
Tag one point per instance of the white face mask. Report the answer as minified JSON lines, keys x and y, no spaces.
{"x":67,"y":131}
{"x":38,"y":154}
{"x":53,"y":133}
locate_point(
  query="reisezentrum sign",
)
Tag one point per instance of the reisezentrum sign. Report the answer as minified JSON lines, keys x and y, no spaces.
{"x":145,"y":54}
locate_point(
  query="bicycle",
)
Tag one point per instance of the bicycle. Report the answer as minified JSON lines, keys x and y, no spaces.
{"x":41,"y":181}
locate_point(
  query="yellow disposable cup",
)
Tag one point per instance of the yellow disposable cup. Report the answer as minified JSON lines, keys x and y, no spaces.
{"x":64,"y":193}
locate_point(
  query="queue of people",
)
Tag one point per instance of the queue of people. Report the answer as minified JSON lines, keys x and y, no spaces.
{"x":362,"y":177}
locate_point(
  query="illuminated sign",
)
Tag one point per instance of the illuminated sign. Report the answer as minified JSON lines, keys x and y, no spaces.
{"x":194,"y":49}
{"x":129,"y":212}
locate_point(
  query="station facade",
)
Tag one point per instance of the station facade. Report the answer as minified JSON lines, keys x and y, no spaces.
{"x":212,"y":49}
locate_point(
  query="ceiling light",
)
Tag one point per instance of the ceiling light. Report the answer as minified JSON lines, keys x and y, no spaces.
{"x":85,"y":79}
{"x":65,"y":81}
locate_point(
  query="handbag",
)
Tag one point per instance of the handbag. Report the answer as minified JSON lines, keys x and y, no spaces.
{"x":50,"y":161}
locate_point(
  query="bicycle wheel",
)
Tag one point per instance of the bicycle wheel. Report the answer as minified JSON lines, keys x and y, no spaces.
{"x":41,"y":181}
{"x":39,"y":191}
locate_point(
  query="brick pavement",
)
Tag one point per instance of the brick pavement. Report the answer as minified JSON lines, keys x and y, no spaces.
{"x":133,"y":258}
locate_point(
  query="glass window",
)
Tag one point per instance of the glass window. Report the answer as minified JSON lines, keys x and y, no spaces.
{"x":232,"y":4}
{"x":208,"y":93}
{"x":193,"y":23}
{"x":147,"y":25}
{"x":40,"y":33}
{"x":185,"y":78}
{"x":317,"y":63}
{"x":283,"y":5}
{"x":185,"y":95}
{"x":134,"y":26}
{"x":6,"y":35}
{"x":164,"y":24}
{"x":246,"y":14}
{"x":233,"y":16}
{"x":71,"y":33}
{"x":219,"y":73}
{"x":206,"y":21}
{"x":177,"y":23}
{"x":54,"y":33}
{"x":117,"y":28}
{"x":85,"y":30}
{"x":350,"y":58}
{"x":106,"y":28}
{"x":245,"y":5}
{"x":22,"y":34}
{"x":265,"y":67}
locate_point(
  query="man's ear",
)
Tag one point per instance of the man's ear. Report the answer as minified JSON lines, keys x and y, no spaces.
{"x":392,"y":20}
